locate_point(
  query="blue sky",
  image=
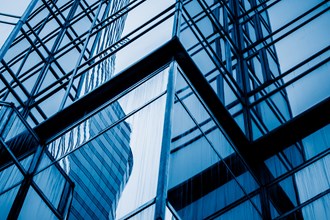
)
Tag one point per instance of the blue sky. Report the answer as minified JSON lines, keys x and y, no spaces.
{"x":12,"y":7}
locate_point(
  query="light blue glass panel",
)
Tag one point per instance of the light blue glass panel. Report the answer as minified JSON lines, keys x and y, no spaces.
{"x":288,"y":187}
{"x":219,"y":141}
{"x":284,"y":189}
{"x":275,"y":166}
{"x":212,"y":202}
{"x":35,"y":208}
{"x":193,"y":8}
{"x":268,"y":115}
{"x":169,"y":215}
{"x":294,"y":155}
{"x":313,"y":179}
{"x":9,"y":177}
{"x":305,"y":41}
{"x":6,"y":28}
{"x":229,"y":94}
{"x":318,"y":209}
{"x":198,"y":151}
{"x":247,"y":181}
{"x":317,"y":142}
{"x":312,"y":94}
{"x":257,"y":130}
{"x":148,"y":213}
{"x":147,"y":126}
{"x":27,"y":161}
{"x":240,"y":121}
{"x":51,"y":182}
{"x":273,"y":211}
{"x":243,"y":211}
{"x":203,"y":61}
{"x":14,"y":128}
{"x":6,"y":201}
{"x":287,"y":10}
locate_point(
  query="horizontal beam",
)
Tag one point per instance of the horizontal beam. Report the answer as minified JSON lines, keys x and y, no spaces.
{"x":253,"y":153}
{"x":276,"y":140}
{"x":292,"y":131}
{"x":101,"y":95}
{"x":205,"y":182}
{"x":209,"y":97}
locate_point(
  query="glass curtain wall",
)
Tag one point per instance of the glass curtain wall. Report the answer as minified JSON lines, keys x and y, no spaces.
{"x":25,"y":194}
{"x":257,"y":61}
{"x":158,"y":148}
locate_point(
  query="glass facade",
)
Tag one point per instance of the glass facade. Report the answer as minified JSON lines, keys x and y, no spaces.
{"x":178,"y":109}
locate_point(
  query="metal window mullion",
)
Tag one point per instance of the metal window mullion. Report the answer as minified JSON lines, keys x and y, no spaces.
{"x":255,"y":44}
{"x":290,"y":82}
{"x":53,"y":138}
{"x":10,"y":89}
{"x":231,"y":81}
{"x":216,"y":152}
{"x":164,"y":163}
{"x":223,"y":30}
{"x":15,"y":80}
{"x":243,"y":72}
{"x":280,"y":77}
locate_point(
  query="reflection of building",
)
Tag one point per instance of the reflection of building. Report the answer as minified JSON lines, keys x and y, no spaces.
{"x":209,"y":188}
{"x":99,"y":169}
{"x":238,"y":58}
{"x":239,"y":144}
{"x":244,"y":70}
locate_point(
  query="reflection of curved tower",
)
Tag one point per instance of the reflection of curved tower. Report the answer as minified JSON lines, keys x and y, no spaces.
{"x":100,"y":168}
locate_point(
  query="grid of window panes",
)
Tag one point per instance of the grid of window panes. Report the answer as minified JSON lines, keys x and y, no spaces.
{"x":257,"y":59}
{"x":63,"y":43}
{"x":267,"y":61}
{"x":23,"y":193}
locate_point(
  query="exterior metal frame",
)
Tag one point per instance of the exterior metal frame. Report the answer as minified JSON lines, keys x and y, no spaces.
{"x":173,"y":50}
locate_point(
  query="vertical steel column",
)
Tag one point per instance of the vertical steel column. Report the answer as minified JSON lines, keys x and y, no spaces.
{"x":243,"y":77}
{"x":164,"y":164}
{"x":163,"y":174}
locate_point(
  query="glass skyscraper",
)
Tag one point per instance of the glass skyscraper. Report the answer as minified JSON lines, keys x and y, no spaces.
{"x":148,"y":109}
